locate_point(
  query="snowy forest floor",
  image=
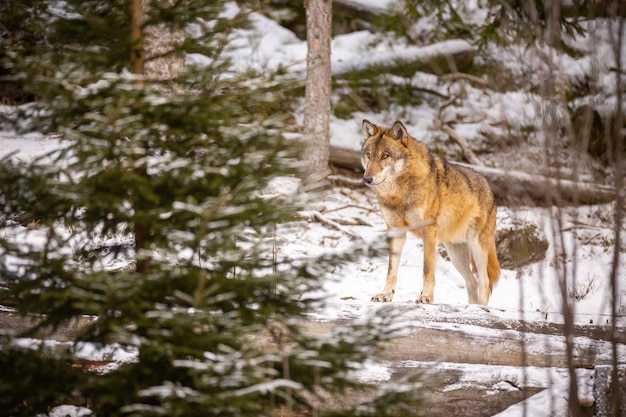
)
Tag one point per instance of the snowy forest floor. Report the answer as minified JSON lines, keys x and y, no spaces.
{"x":479,"y":360}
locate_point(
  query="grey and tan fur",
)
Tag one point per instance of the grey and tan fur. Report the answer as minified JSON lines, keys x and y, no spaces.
{"x":437,"y":201}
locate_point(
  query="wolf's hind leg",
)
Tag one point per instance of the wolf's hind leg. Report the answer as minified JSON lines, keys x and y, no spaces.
{"x":480,"y":256}
{"x":460,"y":258}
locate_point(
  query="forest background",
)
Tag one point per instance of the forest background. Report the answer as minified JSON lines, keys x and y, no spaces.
{"x":155,"y":201}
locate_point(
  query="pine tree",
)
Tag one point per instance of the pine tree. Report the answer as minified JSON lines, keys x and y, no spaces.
{"x":152,"y":221}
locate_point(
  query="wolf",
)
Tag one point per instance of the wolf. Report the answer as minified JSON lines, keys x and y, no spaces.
{"x":422,"y":193}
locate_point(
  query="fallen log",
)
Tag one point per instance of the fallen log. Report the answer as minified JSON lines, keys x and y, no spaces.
{"x":459,"y":334}
{"x":432,"y":343}
{"x":512,"y":186}
{"x":456,"y":335}
{"x":346,"y":158}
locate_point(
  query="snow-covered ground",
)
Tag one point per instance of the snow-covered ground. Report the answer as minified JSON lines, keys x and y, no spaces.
{"x":581,"y":248}
{"x":532,"y":293}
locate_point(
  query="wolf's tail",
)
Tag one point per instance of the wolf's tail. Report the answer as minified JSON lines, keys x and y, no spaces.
{"x":493,"y":267}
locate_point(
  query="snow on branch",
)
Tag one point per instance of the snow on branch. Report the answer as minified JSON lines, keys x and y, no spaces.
{"x":374,"y":8}
{"x":442,"y":57}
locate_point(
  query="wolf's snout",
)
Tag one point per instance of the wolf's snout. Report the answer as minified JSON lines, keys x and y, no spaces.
{"x":368,"y":180}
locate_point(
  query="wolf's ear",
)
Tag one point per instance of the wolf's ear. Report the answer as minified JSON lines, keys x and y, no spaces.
{"x":369,"y":128}
{"x":398,"y":131}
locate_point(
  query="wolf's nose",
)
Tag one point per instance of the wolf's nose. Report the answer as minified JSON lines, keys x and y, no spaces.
{"x":368,"y":180}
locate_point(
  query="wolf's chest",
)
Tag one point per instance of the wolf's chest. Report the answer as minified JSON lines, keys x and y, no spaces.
{"x":401,"y":211}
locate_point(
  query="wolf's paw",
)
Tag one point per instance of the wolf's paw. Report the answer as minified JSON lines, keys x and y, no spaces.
{"x":424,"y":299}
{"x":382,"y":298}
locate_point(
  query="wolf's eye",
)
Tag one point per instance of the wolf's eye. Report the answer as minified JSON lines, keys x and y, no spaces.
{"x":384,"y":156}
{"x":369,"y":155}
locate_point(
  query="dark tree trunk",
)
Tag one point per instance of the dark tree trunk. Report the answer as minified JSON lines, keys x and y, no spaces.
{"x":141,"y":230}
{"x":137,"y":58}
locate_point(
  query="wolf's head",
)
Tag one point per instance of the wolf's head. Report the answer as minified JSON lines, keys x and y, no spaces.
{"x":384,"y":152}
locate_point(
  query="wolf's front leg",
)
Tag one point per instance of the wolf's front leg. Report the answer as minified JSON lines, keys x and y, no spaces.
{"x":430,"y":252}
{"x":396,"y":245}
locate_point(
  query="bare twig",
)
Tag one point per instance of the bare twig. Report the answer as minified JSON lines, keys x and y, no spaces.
{"x":447,"y":128}
{"x":317,"y":216}
{"x":351,"y":206}
{"x":440,"y":109}
{"x":481,"y":81}
{"x":358,"y":101}
{"x":470,"y":122}
{"x":467,"y":151}
{"x":352,"y":221}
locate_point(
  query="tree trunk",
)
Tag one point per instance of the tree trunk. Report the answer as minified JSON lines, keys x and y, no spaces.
{"x":137,"y":65}
{"x":137,"y":57}
{"x":317,"y":87}
{"x":164,"y":54}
